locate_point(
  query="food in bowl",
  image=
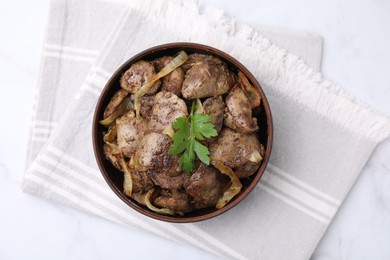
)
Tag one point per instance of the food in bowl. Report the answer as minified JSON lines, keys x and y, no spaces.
{"x":183,"y":132}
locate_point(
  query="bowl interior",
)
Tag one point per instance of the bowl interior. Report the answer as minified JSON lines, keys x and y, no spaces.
{"x":114,"y":177}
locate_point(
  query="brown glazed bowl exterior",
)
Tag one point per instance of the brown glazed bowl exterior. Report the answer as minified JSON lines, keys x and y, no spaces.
{"x":114,"y":178}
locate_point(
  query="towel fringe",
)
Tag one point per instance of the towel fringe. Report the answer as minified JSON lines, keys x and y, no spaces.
{"x":275,"y":68}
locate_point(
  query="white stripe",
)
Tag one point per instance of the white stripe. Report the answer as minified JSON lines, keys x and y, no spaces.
{"x":294,"y":204}
{"x":281,"y":197}
{"x":215,"y":242}
{"x":95,"y":197}
{"x":187,"y":237}
{"x":71,"y":160}
{"x":97,"y":80}
{"x":90,"y":89}
{"x":41,"y":130}
{"x":75,"y":174}
{"x":102,"y":71}
{"x":40,"y":139}
{"x":88,"y":169}
{"x":42,"y":123}
{"x":59,"y":165}
{"x":68,"y":56}
{"x":71,"y":49}
{"x":64,"y":193}
{"x":299,"y":194}
{"x":304,"y":185}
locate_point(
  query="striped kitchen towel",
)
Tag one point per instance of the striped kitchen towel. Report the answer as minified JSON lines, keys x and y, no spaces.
{"x":309,"y":173}
{"x":75,"y":34}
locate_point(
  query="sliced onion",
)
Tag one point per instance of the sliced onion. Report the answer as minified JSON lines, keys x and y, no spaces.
{"x":142,"y":168}
{"x":255,"y":157}
{"x":234,"y":188}
{"x":251,"y":91}
{"x":171,"y":66}
{"x":111,"y":134}
{"x":169,"y":130}
{"x":138,"y":167}
{"x":153,"y":208}
{"x":132,"y":162}
{"x":111,"y":137}
{"x":128,"y":178}
{"x":125,"y":106}
{"x":139,"y":197}
{"x":199,"y":107}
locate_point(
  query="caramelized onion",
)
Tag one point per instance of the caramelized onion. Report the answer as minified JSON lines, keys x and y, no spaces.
{"x":252,"y":92}
{"x":234,"y":188}
{"x":169,"y":130}
{"x":139,"y":197}
{"x":111,"y":137}
{"x":255,"y":157}
{"x":199,"y":107}
{"x":171,"y":66}
{"x":150,"y":206}
{"x":125,"y":106}
{"x":128,"y":178}
{"x":138,"y":167}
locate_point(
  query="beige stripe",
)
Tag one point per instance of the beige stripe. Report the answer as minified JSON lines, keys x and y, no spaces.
{"x":304,"y":185}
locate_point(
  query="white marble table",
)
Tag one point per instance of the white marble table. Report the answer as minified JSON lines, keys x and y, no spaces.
{"x":356,"y":55}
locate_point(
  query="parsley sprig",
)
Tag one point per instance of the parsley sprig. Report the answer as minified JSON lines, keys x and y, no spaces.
{"x":185,"y":140}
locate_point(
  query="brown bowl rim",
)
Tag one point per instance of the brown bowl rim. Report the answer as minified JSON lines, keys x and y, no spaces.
{"x":212,"y":51}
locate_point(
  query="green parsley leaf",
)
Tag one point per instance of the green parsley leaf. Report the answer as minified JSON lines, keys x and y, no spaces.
{"x":188,"y":131}
{"x":202,"y":152}
{"x":203,"y":126}
{"x":178,"y":147}
{"x":187,"y":159}
{"x":183,"y":130}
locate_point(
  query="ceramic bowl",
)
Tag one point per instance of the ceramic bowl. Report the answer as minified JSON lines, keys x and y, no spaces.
{"x":114,"y":178}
